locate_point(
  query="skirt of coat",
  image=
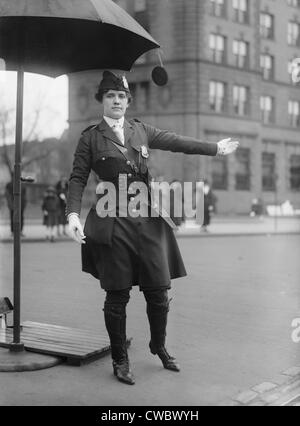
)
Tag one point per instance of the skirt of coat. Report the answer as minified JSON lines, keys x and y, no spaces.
{"x":143,"y":252}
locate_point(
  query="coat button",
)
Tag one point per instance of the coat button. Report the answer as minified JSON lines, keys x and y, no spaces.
{"x":103,"y":158}
{"x":129,"y":175}
{"x":128,"y":162}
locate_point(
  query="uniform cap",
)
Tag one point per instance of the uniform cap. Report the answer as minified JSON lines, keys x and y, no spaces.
{"x":111,"y":81}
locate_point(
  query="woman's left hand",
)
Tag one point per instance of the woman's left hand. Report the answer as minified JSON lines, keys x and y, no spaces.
{"x":227,"y":146}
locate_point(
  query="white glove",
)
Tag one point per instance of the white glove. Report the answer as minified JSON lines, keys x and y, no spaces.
{"x":227,"y":146}
{"x":75,"y":228}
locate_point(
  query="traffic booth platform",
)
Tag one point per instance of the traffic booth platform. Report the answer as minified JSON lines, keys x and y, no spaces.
{"x":76,"y":346}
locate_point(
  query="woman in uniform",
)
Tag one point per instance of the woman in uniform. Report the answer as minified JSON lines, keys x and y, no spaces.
{"x":124,"y":250}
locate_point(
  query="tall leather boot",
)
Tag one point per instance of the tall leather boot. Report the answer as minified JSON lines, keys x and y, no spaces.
{"x":115,"y":321}
{"x":157,"y":315}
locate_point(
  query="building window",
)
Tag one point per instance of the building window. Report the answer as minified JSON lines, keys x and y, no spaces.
{"x":295,"y":172}
{"x":294,"y":113}
{"x":290,"y":67}
{"x":267,"y":25}
{"x":294,"y":3}
{"x":241,"y":11}
{"x":293,"y":34}
{"x":241,"y":100}
{"x":242,"y":175}
{"x":141,"y":13}
{"x":217,"y":45}
{"x":218,"y":8}
{"x":267,"y":66}
{"x":268,"y":171}
{"x":267,"y":109}
{"x":133,"y":91}
{"x":241,"y":53}
{"x":140,"y":96}
{"x":219,"y":173}
{"x":144,"y":96}
{"x":217,"y":91}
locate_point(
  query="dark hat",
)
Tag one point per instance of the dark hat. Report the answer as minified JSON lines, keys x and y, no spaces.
{"x":111,"y":81}
{"x":51,"y":189}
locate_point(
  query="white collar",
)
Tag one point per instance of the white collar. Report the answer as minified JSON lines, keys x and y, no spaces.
{"x":111,"y":121}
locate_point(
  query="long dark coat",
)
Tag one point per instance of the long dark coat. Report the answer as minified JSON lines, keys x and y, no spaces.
{"x":50,"y":206}
{"x":112,"y":243}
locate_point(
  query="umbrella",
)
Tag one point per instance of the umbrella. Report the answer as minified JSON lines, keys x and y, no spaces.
{"x":55,"y":37}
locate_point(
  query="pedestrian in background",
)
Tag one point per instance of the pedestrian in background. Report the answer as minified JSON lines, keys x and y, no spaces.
{"x":257,"y":208}
{"x":9,"y":195}
{"x":133,"y":250}
{"x":50,"y":209}
{"x":209,"y":205}
{"x":177,"y":203}
{"x":62,"y":191}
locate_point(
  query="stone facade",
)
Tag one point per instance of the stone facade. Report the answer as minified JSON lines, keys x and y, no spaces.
{"x":183,"y":28}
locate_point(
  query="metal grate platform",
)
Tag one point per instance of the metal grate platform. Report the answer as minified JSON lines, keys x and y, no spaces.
{"x":75,"y":345}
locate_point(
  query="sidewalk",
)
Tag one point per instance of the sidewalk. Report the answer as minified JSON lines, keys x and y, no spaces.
{"x":220,"y":226}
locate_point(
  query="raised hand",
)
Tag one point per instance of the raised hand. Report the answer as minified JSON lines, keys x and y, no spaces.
{"x":227,"y":146}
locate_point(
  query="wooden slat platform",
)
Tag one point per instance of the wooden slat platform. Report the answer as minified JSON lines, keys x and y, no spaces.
{"x":76,"y":346}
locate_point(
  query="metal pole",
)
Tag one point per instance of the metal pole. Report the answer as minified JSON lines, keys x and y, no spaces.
{"x":16,"y":345}
{"x":276,"y":202}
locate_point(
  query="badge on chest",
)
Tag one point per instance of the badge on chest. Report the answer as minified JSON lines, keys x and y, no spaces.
{"x":144,"y":151}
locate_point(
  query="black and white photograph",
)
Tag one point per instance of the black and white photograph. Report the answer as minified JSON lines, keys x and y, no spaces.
{"x":149,"y":206}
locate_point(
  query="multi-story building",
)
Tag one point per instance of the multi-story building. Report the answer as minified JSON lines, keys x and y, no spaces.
{"x":229,"y":64}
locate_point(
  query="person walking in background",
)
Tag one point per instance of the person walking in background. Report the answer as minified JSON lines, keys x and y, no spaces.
{"x":177,"y":203}
{"x":209,"y":205}
{"x":257,"y":208}
{"x":50,"y":209}
{"x":62,"y":191}
{"x":129,"y":250}
{"x":9,"y":195}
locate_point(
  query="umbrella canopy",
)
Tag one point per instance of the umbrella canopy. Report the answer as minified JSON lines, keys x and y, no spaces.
{"x":55,"y":37}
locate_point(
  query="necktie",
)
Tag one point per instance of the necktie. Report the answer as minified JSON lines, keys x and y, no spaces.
{"x":118,"y":130}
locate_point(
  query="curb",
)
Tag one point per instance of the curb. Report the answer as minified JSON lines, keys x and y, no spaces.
{"x":283,"y":390}
{"x":237,"y":234}
{"x":34,"y":240}
{"x":177,"y":235}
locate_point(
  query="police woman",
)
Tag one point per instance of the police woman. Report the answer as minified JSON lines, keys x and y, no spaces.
{"x":124,"y":250}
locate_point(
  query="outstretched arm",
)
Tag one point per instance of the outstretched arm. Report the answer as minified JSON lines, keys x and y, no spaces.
{"x":169,"y":141}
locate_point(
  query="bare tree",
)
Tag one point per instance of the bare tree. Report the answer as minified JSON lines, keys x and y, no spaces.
{"x":6,"y":134}
{"x":7,"y":130}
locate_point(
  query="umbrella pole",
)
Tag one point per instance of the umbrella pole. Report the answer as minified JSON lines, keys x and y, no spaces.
{"x":16,"y":345}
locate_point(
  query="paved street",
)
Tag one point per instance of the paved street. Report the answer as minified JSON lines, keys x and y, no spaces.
{"x":229,"y":326}
{"x":220,"y":225}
